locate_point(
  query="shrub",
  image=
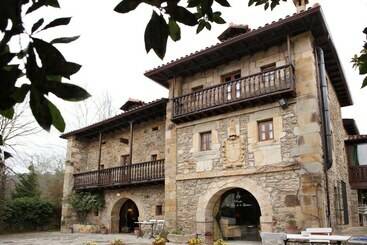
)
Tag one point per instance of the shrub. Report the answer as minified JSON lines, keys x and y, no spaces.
{"x":117,"y":242}
{"x":85,"y":202}
{"x":195,"y":241}
{"x":28,"y":213}
{"x":158,"y":240}
{"x":220,"y":242}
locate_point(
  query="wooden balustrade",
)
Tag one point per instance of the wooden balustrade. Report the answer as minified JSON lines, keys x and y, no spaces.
{"x":272,"y":82}
{"x":136,"y":173}
{"x":358,"y":176}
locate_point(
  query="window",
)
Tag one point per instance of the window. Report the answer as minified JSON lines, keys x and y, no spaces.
{"x":205,"y":141}
{"x":159,"y":210}
{"x":237,"y":85}
{"x":124,"y":141}
{"x":125,"y":159}
{"x":269,"y":74}
{"x":341,"y":203}
{"x":265,"y":129}
{"x":197,"y":88}
{"x":155,"y":128}
{"x":101,"y":166}
{"x":154,"y":157}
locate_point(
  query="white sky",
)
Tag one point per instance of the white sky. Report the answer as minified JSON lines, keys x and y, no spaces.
{"x":112,"y":52}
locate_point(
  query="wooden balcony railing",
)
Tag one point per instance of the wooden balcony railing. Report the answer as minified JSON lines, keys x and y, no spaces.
{"x":358,"y":176}
{"x":137,"y":173}
{"x":278,"y":81}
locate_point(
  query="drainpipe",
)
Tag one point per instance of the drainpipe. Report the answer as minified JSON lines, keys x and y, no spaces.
{"x":325,"y":124}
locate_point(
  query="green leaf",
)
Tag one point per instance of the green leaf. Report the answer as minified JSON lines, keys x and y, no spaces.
{"x":53,"y":61}
{"x":201,"y":26}
{"x":364,"y":84}
{"x":53,"y":3}
{"x":217,"y":19}
{"x":193,"y":3}
{"x":9,"y":113}
{"x":208,"y":26}
{"x":156,"y":35}
{"x":58,"y":22}
{"x":37,"y":25}
{"x":126,"y":6}
{"x":363,"y":68}
{"x":7,"y":155}
{"x":20,"y":93}
{"x":57,"y":119}
{"x":206,"y":6}
{"x":40,"y":109}
{"x":223,"y":3}
{"x":174,"y":30}
{"x":64,"y":39}
{"x":35,"y":6}
{"x":183,"y":16}
{"x":266,"y":6}
{"x":67,"y":91}
{"x":365,"y":31}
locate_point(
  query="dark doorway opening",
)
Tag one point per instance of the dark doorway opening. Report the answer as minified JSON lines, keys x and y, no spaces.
{"x":129,"y":214}
{"x":238,"y":216}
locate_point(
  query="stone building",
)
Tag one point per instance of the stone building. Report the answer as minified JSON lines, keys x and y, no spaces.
{"x":250,"y":139}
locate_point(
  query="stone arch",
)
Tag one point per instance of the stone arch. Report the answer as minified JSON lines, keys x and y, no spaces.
{"x":114,"y":209}
{"x":204,"y":213}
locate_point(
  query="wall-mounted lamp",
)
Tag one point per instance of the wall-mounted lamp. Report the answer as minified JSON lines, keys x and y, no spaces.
{"x":283,"y":103}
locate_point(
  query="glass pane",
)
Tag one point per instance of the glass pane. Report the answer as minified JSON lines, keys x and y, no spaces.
{"x":362,"y":154}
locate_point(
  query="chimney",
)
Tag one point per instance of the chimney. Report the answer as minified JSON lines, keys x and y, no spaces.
{"x":300,"y":5}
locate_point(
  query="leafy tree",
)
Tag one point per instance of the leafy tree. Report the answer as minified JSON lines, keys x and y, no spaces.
{"x":85,"y":202}
{"x":360,"y":61}
{"x":43,"y":76}
{"x":28,"y":185}
{"x":27,"y":213}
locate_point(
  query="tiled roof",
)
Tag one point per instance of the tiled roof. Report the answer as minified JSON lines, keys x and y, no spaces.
{"x":135,"y":112}
{"x":258,"y":39}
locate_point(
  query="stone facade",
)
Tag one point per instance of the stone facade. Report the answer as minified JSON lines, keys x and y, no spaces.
{"x":285,"y":174}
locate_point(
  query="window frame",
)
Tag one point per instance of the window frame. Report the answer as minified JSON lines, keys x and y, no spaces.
{"x":126,"y":160}
{"x":205,"y":141}
{"x":197,"y":88}
{"x":269,"y":132}
{"x":153,"y":157}
{"x":159,"y":210}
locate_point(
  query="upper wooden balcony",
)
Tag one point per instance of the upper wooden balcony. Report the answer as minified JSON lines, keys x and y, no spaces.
{"x":358,"y":177}
{"x":260,"y":87}
{"x":134,"y":174}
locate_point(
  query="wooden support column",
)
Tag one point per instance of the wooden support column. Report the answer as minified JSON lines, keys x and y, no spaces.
{"x":131,"y":139}
{"x":289,"y":50}
{"x":99,"y":155}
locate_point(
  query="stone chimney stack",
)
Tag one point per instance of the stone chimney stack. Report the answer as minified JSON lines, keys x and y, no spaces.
{"x":300,"y":5}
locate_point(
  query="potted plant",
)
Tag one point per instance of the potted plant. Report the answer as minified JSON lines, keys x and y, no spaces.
{"x":178,"y":236}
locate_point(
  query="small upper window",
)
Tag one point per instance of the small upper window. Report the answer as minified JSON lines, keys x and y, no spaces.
{"x":266,"y":131}
{"x":269,"y":67}
{"x":154,"y":157}
{"x":197,"y":88}
{"x":231,"y":76}
{"x":205,"y":141}
{"x":159,"y":210}
{"x":125,"y":159}
{"x":155,"y":128}
{"x":101,"y":166}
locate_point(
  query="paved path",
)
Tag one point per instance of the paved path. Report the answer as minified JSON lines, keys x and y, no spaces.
{"x":58,"y":238}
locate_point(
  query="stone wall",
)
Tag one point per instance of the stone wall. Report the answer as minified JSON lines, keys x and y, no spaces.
{"x":339,"y":170}
{"x":290,"y":165}
{"x":146,"y":199}
{"x":146,"y":143}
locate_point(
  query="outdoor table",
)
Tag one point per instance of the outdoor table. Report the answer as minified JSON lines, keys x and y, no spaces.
{"x":319,"y":238}
{"x":147,"y":223}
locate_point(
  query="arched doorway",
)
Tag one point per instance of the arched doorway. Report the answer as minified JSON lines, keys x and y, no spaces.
{"x":236,"y":216}
{"x":129,"y":214}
